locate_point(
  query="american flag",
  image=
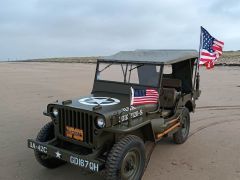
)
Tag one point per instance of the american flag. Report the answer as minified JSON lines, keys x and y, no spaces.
{"x":210,"y":49}
{"x":144,"y":96}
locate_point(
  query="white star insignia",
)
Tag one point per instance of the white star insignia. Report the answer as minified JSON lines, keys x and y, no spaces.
{"x":99,"y":100}
{"x":58,"y":154}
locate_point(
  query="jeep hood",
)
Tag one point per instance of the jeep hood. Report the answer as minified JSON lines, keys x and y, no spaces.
{"x":101,"y":103}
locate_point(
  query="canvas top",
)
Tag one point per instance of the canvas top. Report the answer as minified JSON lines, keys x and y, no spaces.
{"x":163,"y":56}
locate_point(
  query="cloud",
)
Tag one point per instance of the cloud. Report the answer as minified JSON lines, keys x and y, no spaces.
{"x":56,"y":28}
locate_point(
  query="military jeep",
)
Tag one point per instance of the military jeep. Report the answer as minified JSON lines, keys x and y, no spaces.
{"x":138,"y":97}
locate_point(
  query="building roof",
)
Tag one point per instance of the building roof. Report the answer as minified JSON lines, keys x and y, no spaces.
{"x":151,"y":56}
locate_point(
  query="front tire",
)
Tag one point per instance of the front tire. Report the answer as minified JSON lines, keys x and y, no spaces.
{"x":47,"y":134}
{"x":182,"y":134}
{"x":126,"y":160}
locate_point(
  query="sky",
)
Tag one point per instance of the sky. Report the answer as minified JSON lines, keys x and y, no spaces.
{"x":56,"y":28}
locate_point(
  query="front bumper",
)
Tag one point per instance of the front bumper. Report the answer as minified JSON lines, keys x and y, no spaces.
{"x":78,"y":160}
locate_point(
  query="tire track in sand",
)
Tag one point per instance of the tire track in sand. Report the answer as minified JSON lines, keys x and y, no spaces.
{"x":203,"y":127}
{"x":215,"y":123}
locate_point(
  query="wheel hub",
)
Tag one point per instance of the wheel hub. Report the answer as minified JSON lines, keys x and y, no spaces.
{"x":130,"y":164}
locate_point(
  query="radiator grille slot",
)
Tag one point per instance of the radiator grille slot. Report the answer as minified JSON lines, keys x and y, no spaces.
{"x":77,"y":119}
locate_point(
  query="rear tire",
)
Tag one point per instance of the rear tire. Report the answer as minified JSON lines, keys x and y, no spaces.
{"x":126,"y":160}
{"x":47,"y":134}
{"x":182,"y":134}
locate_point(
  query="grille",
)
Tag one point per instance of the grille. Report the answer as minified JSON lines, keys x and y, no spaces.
{"x":77,"y":119}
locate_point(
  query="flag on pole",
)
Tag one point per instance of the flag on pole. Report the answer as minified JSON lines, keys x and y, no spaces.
{"x":144,"y":96}
{"x":210,"y":49}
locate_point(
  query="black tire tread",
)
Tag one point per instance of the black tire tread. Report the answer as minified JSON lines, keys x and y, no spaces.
{"x":177,"y":137}
{"x":114,"y":157}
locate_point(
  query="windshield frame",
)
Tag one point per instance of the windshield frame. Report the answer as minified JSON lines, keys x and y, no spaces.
{"x":126,"y":80}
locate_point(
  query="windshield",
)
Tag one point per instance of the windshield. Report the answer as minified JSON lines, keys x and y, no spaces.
{"x":142,"y":74}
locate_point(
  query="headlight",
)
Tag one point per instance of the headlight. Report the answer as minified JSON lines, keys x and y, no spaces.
{"x":101,"y":122}
{"x":55,"y":112}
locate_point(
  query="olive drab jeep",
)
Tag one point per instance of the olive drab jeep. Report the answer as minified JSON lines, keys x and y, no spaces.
{"x":138,"y":97}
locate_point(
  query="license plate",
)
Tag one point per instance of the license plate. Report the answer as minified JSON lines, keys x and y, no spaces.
{"x":74,"y":133}
{"x":84,"y":163}
{"x":38,"y":147}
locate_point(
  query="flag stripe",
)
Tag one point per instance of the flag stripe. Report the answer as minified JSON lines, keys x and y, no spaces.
{"x":208,"y":54}
{"x":220,"y":43}
{"x":217,"y":48}
{"x":148,"y":97}
{"x":143,"y":100}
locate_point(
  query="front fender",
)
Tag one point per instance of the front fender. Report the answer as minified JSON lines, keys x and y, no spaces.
{"x":127,"y":127}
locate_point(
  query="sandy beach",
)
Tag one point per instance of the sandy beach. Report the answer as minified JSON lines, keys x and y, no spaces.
{"x":211,"y":152}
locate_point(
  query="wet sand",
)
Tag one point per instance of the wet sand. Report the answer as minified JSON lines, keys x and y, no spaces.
{"x":211,"y":152}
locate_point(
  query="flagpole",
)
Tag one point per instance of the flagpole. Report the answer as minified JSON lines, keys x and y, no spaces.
{"x":197,"y":76}
{"x":130,"y":105}
{"x":200,"y":47}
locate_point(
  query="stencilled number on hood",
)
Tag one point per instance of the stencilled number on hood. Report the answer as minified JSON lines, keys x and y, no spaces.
{"x":126,"y":109}
{"x":133,"y":115}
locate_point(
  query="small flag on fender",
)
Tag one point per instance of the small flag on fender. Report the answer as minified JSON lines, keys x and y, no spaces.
{"x":144,"y":96}
{"x":210,"y":49}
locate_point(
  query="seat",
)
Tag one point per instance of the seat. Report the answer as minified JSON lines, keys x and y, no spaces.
{"x":168,"y":97}
{"x":170,"y":93}
{"x":172,"y":83}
